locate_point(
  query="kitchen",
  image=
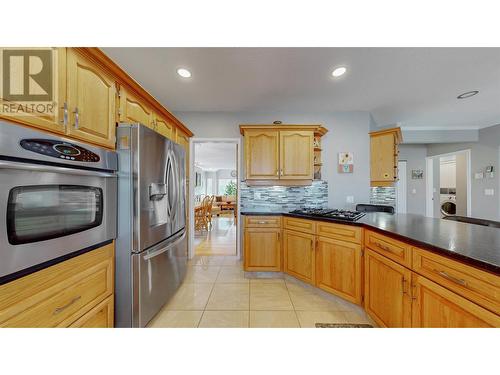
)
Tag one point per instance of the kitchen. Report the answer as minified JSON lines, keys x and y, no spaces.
{"x":337,"y":184}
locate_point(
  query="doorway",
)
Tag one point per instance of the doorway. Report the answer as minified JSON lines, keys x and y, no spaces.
{"x":448,"y":184}
{"x":214,"y":197}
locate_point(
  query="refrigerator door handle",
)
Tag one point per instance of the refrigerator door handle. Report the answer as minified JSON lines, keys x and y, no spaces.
{"x":165,"y":248}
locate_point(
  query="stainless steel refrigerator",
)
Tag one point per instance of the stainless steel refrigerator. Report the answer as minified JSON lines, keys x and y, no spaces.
{"x":151,"y":248}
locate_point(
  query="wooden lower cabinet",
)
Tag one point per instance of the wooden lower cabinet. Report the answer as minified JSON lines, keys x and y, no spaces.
{"x":299,"y":255}
{"x":262,"y":249}
{"x":338,"y":268}
{"x":63,"y":294}
{"x":387,"y":291}
{"x":101,"y":316}
{"x":437,"y":307}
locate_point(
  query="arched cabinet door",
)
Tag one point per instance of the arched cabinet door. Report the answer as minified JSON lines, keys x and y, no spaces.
{"x":296,"y":155}
{"x":91,"y":101}
{"x":262,"y":154}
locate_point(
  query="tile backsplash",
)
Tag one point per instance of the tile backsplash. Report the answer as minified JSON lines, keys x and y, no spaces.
{"x":284,"y":197}
{"x":383,"y":195}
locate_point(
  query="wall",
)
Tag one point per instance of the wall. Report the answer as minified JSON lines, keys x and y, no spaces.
{"x":284,"y":197}
{"x":461,"y":184}
{"x":347,"y":131}
{"x":414,"y":155}
{"x":447,"y":173}
{"x":483,"y":153}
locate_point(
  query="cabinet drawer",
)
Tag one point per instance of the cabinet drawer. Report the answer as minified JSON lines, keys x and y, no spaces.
{"x":300,"y":225}
{"x":263,"y":221}
{"x":101,"y":316}
{"x":476,"y":285}
{"x":58,"y":295}
{"x":393,"y":249}
{"x":340,"y":232}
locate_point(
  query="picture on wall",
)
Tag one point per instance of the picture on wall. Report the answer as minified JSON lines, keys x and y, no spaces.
{"x":197,"y":179}
{"x":417,"y":174}
{"x":346,"y":162}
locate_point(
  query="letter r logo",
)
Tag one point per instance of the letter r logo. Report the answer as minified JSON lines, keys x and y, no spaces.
{"x":27,"y":75}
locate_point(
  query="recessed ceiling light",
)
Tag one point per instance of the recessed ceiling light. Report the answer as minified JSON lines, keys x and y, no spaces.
{"x":467,"y":94}
{"x":339,"y":71}
{"x":184,"y":73}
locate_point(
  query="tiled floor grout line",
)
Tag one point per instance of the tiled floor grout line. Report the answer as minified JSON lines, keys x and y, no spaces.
{"x":293,"y":305}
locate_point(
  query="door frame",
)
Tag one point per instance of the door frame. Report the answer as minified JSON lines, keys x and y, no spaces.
{"x":429,"y":191}
{"x":401,"y":188}
{"x":192,"y":181}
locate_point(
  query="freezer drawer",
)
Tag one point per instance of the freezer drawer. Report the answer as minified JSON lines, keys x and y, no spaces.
{"x":157,"y":273}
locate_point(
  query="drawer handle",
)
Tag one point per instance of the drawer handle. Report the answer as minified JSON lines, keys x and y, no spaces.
{"x":383,"y":247}
{"x":452,"y":278}
{"x":61,"y":309}
{"x":262,"y":222}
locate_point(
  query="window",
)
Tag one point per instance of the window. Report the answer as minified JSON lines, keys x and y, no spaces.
{"x":222,"y":185}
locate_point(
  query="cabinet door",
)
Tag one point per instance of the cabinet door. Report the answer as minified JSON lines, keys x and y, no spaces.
{"x":100,"y":316}
{"x":387,"y":285}
{"x":262,"y":249}
{"x":53,"y":122}
{"x":296,"y":155}
{"x":164,"y":127}
{"x":437,"y":307}
{"x":134,"y":110}
{"x":262,"y":154}
{"x":299,"y":255}
{"x":338,"y":268}
{"x":383,"y":158}
{"x":91,"y":101}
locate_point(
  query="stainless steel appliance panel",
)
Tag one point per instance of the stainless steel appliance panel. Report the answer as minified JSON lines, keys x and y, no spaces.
{"x":178,"y":158}
{"x":159,"y":271}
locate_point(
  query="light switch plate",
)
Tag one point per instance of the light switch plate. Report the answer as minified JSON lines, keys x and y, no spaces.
{"x":489,"y":191}
{"x":349,"y":199}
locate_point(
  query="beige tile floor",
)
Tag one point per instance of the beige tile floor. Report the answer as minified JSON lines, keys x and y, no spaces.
{"x":216,"y":294}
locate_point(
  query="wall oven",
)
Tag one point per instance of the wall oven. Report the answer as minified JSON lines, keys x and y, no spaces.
{"x":57,"y":199}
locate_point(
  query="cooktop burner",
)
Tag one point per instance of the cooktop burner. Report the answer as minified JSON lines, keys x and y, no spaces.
{"x":330,"y":213}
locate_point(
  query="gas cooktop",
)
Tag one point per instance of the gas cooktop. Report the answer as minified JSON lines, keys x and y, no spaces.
{"x":330,"y":213}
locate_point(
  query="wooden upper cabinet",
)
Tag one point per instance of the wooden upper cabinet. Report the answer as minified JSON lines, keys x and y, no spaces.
{"x":164,"y":127}
{"x":134,"y":110}
{"x":91,"y":101}
{"x":299,"y":255}
{"x":296,"y":155}
{"x":438,"y":307}
{"x":182,"y":139}
{"x":262,"y":154}
{"x":55,"y":122}
{"x":387,"y":291}
{"x":338,"y":268}
{"x":384,"y":156}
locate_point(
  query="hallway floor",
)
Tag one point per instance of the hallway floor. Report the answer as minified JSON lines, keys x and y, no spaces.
{"x":219,"y":240}
{"x":217,"y":294}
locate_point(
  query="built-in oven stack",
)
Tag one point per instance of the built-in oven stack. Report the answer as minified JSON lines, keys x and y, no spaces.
{"x":57,"y":199}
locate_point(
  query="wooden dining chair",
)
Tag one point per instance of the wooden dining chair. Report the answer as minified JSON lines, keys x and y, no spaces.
{"x":200,"y":214}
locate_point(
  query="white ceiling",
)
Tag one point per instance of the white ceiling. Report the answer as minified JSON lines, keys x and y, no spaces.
{"x":212,"y":156}
{"x":416,"y":87}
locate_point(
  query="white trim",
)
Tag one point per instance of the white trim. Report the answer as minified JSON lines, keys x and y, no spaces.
{"x":427,"y":128}
{"x":192,"y":156}
{"x":430,"y":182}
{"x":401,"y":188}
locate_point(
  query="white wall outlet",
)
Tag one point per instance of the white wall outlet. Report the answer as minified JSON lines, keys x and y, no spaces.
{"x":478,"y":176}
{"x":414,"y":191}
{"x":489,"y":191}
{"x":349,"y":199}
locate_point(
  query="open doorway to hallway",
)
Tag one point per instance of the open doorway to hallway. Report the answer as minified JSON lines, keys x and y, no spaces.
{"x":215,"y":206}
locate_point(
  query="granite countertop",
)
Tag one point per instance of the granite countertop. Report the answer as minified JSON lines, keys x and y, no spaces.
{"x":473,"y":244}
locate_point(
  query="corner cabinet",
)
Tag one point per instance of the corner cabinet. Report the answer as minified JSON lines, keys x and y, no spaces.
{"x":280,"y":154}
{"x":91,"y":101}
{"x":384,"y":154}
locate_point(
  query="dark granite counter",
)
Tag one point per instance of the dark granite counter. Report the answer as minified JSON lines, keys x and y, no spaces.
{"x":473,"y":244}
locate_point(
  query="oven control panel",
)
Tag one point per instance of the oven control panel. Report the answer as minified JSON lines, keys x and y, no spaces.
{"x":60,"y":150}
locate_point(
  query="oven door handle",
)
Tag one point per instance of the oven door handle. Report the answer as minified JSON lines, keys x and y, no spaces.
{"x":7,"y":164}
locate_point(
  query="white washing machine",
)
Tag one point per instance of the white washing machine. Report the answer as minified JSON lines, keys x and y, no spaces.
{"x":448,"y":204}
